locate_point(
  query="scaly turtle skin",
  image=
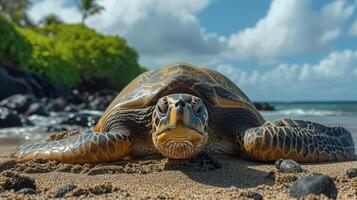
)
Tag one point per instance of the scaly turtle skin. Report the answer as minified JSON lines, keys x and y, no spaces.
{"x":179,"y":111}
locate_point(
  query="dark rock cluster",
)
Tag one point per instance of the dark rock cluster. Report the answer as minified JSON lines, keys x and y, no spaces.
{"x":264,"y":106}
{"x":14,"y":81}
{"x":10,"y":118}
{"x":27,"y":94}
{"x":16,"y":109}
{"x":315,"y":184}
{"x":76,"y":108}
{"x":77,"y":101}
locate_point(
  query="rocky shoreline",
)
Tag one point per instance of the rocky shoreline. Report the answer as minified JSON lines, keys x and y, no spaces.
{"x":75,"y":110}
{"x":19,"y":110}
{"x":27,"y":100}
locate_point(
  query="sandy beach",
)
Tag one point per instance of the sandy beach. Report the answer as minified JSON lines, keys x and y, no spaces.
{"x":157,"y":178}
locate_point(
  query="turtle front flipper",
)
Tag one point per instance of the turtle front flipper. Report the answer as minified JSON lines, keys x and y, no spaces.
{"x":86,"y":147}
{"x":302,"y":141}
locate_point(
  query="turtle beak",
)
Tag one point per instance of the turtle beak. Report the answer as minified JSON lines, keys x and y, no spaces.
{"x":178,"y":113}
{"x":179,"y":126}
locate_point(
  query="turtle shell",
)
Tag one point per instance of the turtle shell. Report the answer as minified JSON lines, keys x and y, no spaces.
{"x":213,"y":87}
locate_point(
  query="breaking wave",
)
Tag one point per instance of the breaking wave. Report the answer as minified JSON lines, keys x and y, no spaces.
{"x":309,"y":112}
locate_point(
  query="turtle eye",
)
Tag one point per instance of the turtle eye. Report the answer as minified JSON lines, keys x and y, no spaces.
{"x":196,"y":105}
{"x":198,"y":109}
{"x":162,"y":106}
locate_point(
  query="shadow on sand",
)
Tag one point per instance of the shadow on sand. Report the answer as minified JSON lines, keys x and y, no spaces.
{"x":234,"y":171}
{"x":222,"y":171}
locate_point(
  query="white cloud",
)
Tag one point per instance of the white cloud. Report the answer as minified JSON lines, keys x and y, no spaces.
{"x":40,"y":9}
{"x":334,"y":77}
{"x":291,"y":27}
{"x":162,"y":31}
{"x":167,"y":31}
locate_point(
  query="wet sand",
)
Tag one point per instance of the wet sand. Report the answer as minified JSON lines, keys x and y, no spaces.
{"x":157,"y":178}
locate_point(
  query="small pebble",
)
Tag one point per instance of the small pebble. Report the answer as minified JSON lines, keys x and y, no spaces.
{"x":233,"y":189}
{"x":64,"y":190}
{"x":270,"y":176}
{"x":288,"y":166}
{"x":351,"y":173}
{"x":253,"y":195}
{"x":278,"y":163}
{"x":26,"y":191}
{"x":315,"y":184}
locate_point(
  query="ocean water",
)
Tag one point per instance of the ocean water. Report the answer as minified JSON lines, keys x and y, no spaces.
{"x":327,"y":113}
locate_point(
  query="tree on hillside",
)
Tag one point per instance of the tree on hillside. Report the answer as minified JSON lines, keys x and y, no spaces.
{"x":51,"y":19}
{"x":15,"y":10}
{"x":89,"y":8}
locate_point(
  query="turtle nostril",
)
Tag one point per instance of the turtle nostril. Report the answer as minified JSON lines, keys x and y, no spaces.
{"x":180,"y":103}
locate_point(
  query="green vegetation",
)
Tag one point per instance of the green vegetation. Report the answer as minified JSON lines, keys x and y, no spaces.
{"x":68,"y":54}
{"x":15,"y":10}
{"x":14,"y":48}
{"x":46,"y":61}
{"x":51,"y":19}
{"x":93,"y":55}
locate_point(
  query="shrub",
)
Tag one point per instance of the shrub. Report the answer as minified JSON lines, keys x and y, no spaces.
{"x":69,"y":54}
{"x":14,"y":48}
{"x":93,"y":55}
{"x":46,"y":61}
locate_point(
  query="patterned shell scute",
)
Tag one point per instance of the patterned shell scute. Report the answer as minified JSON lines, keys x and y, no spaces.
{"x":226,"y":83}
{"x":147,"y":88}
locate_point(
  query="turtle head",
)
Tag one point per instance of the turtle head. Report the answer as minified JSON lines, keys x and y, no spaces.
{"x":180,"y":126}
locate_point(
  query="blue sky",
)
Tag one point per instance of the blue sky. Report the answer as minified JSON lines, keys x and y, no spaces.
{"x":282,"y":50}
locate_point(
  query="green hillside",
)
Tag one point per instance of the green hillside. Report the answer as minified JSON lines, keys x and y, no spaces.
{"x":68,"y":54}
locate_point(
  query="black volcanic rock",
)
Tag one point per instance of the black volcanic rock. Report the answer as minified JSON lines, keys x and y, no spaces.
{"x":100,"y":103}
{"x":9,"y":118}
{"x":77,"y":98}
{"x":15,"y":81}
{"x":40,"y":86}
{"x":26,"y":191}
{"x":25,"y":104}
{"x":37,"y":108}
{"x":61,"y":192}
{"x":58,"y":104}
{"x":288,"y":166}
{"x":82,"y":119}
{"x":18,"y":86}
{"x":252,"y":195}
{"x":18,"y":102}
{"x":315,"y":184}
{"x":351,"y":173}
{"x":264,"y":106}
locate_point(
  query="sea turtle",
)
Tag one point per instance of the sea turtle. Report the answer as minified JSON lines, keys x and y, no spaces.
{"x":181,"y":110}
